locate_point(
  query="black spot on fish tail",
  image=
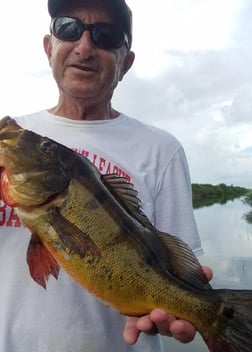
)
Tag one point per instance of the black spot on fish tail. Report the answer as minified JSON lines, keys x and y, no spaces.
{"x":228,"y":312}
{"x":233,"y":328}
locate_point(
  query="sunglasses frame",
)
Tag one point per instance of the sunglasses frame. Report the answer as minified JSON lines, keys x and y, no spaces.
{"x":91,"y":28}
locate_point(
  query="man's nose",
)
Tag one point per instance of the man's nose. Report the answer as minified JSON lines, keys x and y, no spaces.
{"x":85,"y":45}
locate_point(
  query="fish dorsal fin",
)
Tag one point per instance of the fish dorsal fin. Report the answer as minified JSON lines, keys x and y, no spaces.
{"x":186,"y":266}
{"x":127,"y":196}
{"x":180,"y":259}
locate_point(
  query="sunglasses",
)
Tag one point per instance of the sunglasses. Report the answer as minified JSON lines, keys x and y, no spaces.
{"x":104,"y":35}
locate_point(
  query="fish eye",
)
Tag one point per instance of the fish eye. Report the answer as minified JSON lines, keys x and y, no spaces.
{"x":47,"y":146}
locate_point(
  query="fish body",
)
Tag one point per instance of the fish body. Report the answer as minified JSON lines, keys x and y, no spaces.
{"x":93,"y":226}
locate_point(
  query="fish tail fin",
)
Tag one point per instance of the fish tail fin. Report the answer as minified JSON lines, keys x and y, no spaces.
{"x":234,"y":324}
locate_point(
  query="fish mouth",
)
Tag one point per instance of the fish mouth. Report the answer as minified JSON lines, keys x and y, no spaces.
{"x":10,"y":131}
{"x":8,"y":122}
{"x":9,"y":135}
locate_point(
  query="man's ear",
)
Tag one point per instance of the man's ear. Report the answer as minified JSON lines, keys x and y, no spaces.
{"x":48,"y":47}
{"x":128,"y":62}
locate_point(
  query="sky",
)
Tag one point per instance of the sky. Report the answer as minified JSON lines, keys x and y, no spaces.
{"x":192,"y":77}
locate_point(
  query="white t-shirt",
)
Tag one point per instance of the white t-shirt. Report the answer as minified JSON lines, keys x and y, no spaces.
{"x":65,"y":317}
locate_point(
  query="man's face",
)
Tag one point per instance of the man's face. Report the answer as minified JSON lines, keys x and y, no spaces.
{"x":80,"y":68}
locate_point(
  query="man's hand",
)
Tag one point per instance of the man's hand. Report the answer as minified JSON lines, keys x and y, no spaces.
{"x":158,"y":321}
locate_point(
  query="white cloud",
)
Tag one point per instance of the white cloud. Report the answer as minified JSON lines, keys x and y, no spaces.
{"x":240,"y":110}
{"x":179,"y":25}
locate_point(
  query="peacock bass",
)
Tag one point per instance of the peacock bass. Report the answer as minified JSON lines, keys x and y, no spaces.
{"x":93,"y":226}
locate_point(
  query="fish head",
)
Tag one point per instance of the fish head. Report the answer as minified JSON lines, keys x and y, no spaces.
{"x":33,"y":168}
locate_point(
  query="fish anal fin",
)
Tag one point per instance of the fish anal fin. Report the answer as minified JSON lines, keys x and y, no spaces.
{"x":40,"y":261}
{"x":127,"y":196}
{"x":185,"y":264}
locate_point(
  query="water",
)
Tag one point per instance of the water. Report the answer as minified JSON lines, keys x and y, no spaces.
{"x":227,"y":242}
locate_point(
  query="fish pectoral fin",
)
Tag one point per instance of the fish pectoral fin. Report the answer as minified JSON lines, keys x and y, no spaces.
{"x":127,"y":196}
{"x":73,"y":238}
{"x":185,"y":264}
{"x":40,"y":261}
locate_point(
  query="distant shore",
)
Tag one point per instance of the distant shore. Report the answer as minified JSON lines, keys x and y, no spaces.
{"x":207,"y":194}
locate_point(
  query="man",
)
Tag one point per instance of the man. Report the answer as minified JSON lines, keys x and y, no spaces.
{"x":89,"y":52}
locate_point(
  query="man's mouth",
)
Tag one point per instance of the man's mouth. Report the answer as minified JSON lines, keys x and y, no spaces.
{"x":85,"y":68}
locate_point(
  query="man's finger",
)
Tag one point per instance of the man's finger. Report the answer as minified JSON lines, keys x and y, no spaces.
{"x":131,"y":333}
{"x":182,"y":331}
{"x":208,"y":272}
{"x":162,"y":321}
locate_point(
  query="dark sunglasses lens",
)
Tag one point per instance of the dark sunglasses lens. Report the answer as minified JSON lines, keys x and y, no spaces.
{"x":104,"y":35}
{"x":67,"y":28}
{"x":107,"y":36}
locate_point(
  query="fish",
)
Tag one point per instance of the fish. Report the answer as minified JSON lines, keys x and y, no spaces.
{"x":94,"y":227}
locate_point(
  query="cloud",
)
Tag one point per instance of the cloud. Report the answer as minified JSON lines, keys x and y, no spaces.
{"x":194,"y":80}
{"x":204,"y":98}
{"x":247,"y":150}
{"x":240,"y":111}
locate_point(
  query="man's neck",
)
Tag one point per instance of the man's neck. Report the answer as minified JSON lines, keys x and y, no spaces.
{"x":77,"y":111}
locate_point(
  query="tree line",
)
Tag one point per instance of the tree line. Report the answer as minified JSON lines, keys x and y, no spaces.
{"x":207,"y":194}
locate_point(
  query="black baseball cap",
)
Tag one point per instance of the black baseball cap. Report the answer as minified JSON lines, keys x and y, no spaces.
{"x":118,"y":9}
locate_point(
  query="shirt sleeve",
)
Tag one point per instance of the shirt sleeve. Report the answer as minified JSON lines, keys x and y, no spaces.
{"x":173,"y":204}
